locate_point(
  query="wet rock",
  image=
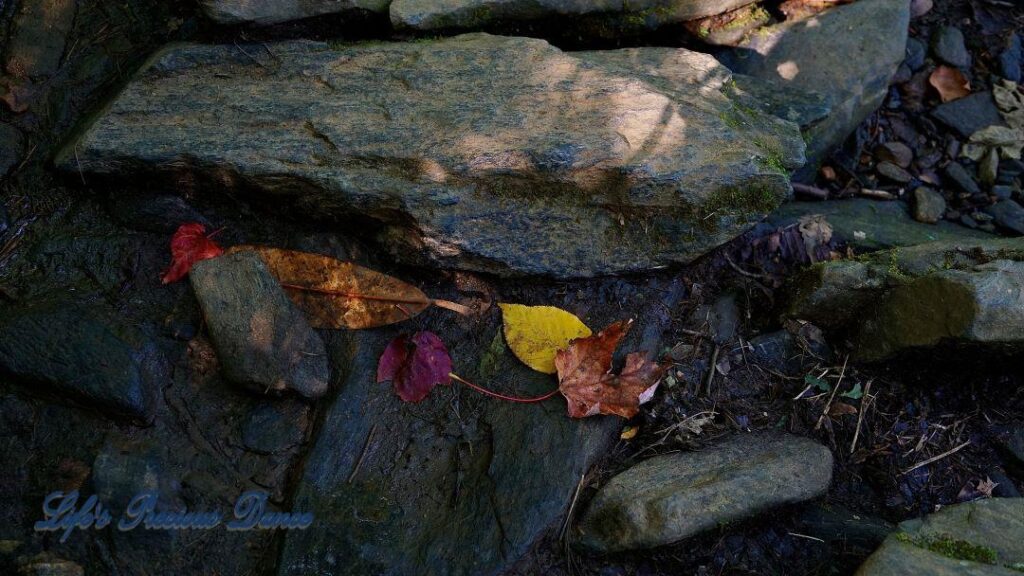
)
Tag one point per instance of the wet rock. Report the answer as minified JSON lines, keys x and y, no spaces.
{"x":948,"y":46}
{"x":37,"y":38}
{"x":730,"y":28}
{"x":788,"y":352}
{"x":1012,"y":58}
{"x":916,"y":53}
{"x":46,"y":564}
{"x":969,"y":114}
{"x":968,"y":293}
{"x":160,"y":213}
{"x":848,"y":54}
{"x":960,"y":178}
{"x":274,"y":427}
{"x":1013,"y":442}
{"x":893,"y":172}
{"x":720,"y":320}
{"x":84,"y":353}
{"x":669,"y":498}
{"x":988,"y":170}
{"x":980,"y":538}
{"x":1008,"y":215}
{"x":11,"y":148}
{"x":869,"y":225}
{"x":478,"y":14}
{"x":929,"y":205}
{"x":897,"y":153}
{"x":805,"y":108}
{"x":838,"y":525}
{"x":1002,"y":192}
{"x":467,"y":482}
{"x":264,"y":13}
{"x":262,"y":340}
{"x":498,"y":185}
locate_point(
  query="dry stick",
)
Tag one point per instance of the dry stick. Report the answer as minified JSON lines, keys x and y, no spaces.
{"x":572,"y":507}
{"x":810,"y":191}
{"x":711,"y":371}
{"x":362,"y":455}
{"x":877,"y":194}
{"x":832,"y":397}
{"x":935,"y":459}
{"x":860,"y":417}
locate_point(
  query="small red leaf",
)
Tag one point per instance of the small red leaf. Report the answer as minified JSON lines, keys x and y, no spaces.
{"x":415,"y":365}
{"x":189,"y":245}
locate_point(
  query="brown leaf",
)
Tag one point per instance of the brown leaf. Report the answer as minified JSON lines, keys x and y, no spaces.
{"x":841,"y":409}
{"x":950,"y":83}
{"x":336,"y":294}
{"x":586,"y":381}
{"x":986,"y":486}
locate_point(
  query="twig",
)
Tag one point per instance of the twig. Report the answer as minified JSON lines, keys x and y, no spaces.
{"x":362,"y":455}
{"x":810,"y":191}
{"x":832,"y":397}
{"x":711,"y":371}
{"x":806,"y":536}
{"x":572,"y":507}
{"x":860,"y":416}
{"x":736,"y":267}
{"x":936,"y":458}
{"x":877,"y":194}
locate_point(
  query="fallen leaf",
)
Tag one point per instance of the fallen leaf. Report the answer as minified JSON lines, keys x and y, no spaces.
{"x":189,"y":245}
{"x":950,"y":83}
{"x":336,"y":294}
{"x":815,"y":232}
{"x":415,"y":365}
{"x":986,"y":486}
{"x":629,"y":432}
{"x":841,"y":409}
{"x":855,"y":393}
{"x":586,"y":381}
{"x":536,"y":333}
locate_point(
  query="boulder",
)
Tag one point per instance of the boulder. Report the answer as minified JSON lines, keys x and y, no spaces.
{"x":980,"y":538}
{"x":480,"y":14}
{"x":82,"y":352}
{"x":233,"y":12}
{"x":848,"y":53}
{"x":942,"y":292}
{"x":263,"y":341}
{"x":459,"y":483}
{"x":481,"y":152}
{"x":669,"y":498}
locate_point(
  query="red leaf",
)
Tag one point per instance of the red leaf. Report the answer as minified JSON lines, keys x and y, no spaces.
{"x":415,"y":365}
{"x":189,"y":245}
{"x":586,"y":381}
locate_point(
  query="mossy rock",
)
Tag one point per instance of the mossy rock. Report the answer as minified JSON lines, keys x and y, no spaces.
{"x":981,"y":538}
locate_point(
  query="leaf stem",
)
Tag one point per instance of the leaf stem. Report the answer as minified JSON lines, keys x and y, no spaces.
{"x":492,"y":394}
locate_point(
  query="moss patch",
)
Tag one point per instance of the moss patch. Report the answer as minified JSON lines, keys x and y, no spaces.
{"x":952,"y":548}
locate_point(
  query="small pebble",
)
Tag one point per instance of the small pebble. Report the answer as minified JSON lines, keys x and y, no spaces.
{"x":958,"y":175}
{"x":948,"y":45}
{"x":894,"y":172}
{"x":896,"y":152}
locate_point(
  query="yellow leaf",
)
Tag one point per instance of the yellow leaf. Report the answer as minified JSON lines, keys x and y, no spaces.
{"x":629,"y":432}
{"x":536,"y":333}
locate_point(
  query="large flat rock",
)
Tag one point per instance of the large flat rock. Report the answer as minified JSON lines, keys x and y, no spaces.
{"x":479,"y":152}
{"x":848,"y":54}
{"x":458,"y":484}
{"x":478,"y":14}
{"x":277,"y":11}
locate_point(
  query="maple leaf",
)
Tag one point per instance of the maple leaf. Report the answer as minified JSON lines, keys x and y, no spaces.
{"x":189,"y":245}
{"x":415,"y":365}
{"x":586,"y":381}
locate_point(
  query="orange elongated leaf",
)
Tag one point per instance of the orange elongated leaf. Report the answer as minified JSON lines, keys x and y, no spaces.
{"x":586,"y":381}
{"x":336,"y":294}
